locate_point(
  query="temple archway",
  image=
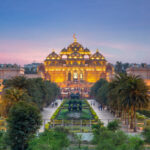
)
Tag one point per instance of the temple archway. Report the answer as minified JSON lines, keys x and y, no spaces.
{"x":75,"y":76}
{"x":64,"y":56}
{"x":86,"y":56}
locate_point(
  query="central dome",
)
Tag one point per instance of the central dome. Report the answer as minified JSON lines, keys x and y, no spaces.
{"x":75,"y":47}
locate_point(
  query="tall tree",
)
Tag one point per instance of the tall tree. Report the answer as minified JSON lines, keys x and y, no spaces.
{"x":23,"y":121}
{"x":19,"y":82}
{"x":96,"y":86}
{"x":128,"y":93}
{"x":135,"y":94}
{"x":119,"y":67}
{"x":39,"y":91}
{"x":102,"y":94}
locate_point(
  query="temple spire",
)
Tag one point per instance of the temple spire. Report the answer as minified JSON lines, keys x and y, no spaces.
{"x":74,"y":36}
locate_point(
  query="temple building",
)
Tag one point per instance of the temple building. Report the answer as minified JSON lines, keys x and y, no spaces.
{"x":76,"y":67}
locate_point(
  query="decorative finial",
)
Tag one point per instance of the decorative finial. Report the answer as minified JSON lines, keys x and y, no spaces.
{"x":53,"y":50}
{"x":74,"y":36}
{"x":97,"y":50}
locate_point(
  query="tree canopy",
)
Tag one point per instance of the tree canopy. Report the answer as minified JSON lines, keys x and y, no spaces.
{"x":24,"y":120}
{"x":36,"y":90}
{"x":123,"y":95}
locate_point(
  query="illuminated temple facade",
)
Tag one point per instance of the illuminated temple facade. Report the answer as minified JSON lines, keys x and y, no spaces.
{"x":76,"y":66}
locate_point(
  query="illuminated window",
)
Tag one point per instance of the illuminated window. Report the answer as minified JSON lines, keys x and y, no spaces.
{"x":81,"y":76}
{"x":75,"y":75}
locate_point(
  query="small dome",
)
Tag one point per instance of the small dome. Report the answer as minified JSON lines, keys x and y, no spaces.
{"x":53,"y":55}
{"x":97,"y":55}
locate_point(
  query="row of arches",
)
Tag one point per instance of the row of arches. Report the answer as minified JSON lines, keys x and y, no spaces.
{"x":75,"y":76}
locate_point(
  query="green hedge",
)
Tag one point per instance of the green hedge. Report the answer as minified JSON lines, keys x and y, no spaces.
{"x":57,"y":110}
{"x":92,"y":111}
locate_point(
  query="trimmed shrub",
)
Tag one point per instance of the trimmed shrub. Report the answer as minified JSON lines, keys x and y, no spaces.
{"x":113,"y":125}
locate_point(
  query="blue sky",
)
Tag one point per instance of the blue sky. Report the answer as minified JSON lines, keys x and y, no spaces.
{"x":30,"y":29}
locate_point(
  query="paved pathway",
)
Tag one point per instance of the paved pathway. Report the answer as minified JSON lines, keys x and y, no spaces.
{"x":47,"y":113}
{"x":104,"y":115}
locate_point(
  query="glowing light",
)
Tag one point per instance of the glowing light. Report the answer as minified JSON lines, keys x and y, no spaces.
{"x":89,"y":70}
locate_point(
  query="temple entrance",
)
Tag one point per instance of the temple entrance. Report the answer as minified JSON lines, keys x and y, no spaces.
{"x":75,"y":76}
{"x":69,"y":76}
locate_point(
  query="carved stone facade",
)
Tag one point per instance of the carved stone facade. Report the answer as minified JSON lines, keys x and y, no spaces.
{"x":75,"y":64}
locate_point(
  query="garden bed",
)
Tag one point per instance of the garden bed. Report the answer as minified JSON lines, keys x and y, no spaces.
{"x":62,"y":113}
{"x":84,"y":118}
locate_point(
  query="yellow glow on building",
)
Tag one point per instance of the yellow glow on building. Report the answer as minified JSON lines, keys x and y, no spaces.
{"x":76,"y":64}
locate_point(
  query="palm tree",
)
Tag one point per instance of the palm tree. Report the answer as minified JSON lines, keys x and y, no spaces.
{"x":134,"y":93}
{"x":114,"y":92}
{"x":10,"y":97}
{"x":118,"y":67}
{"x":127,"y":93}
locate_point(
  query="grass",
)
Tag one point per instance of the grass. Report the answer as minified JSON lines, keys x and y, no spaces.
{"x":84,"y":104}
{"x":64,"y":114}
{"x":86,"y":114}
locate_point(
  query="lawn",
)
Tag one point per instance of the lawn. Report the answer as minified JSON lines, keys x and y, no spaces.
{"x":64,"y":114}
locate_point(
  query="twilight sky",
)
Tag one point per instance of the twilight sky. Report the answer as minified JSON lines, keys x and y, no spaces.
{"x":30,"y":29}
